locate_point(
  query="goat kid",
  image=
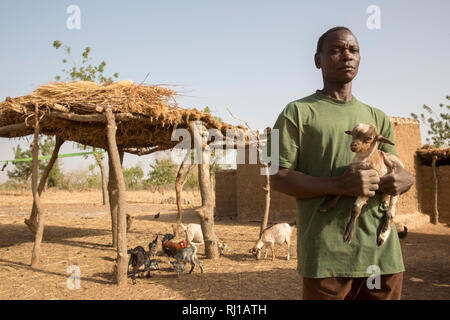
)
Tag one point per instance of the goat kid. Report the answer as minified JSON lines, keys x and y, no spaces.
{"x":187,"y":254}
{"x":277,"y":234}
{"x":194,"y":235}
{"x":365,"y":144}
{"x":139,"y":258}
{"x":153,"y":247}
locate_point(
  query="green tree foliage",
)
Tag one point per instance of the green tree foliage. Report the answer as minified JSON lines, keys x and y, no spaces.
{"x":133,"y":176}
{"x":438,"y":124}
{"x":86,"y":71}
{"x":22,"y":170}
{"x":162,"y":173}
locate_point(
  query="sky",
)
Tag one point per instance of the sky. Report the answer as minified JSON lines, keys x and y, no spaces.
{"x":250,"y":56}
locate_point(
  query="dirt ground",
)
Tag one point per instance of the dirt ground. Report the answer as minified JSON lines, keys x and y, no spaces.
{"x":78,"y":233}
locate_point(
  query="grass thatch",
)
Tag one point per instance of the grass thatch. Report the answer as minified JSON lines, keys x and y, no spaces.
{"x":427,"y":152}
{"x":147,"y":114}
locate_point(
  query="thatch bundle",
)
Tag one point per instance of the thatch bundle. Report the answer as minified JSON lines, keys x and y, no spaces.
{"x":427,"y":153}
{"x":146,"y":115}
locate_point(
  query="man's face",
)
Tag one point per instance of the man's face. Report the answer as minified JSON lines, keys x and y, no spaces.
{"x":339,"y":58}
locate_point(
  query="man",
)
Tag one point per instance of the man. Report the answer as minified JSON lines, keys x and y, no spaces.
{"x":314,"y":153}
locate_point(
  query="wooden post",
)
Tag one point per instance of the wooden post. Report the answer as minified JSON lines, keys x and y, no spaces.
{"x":99,"y":160}
{"x":206,"y":212}
{"x":435,"y":218}
{"x":113,"y":200}
{"x":266,"y":187}
{"x":40,"y":213}
{"x":179,"y":183}
{"x":113,"y":153}
{"x":32,"y":221}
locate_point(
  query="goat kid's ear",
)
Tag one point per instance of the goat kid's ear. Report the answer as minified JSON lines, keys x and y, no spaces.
{"x":349,"y":132}
{"x":382,"y":139}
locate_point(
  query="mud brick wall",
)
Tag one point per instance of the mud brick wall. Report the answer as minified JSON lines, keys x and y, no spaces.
{"x":427,"y":191}
{"x":225,"y":193}
{"x":407,"y":141}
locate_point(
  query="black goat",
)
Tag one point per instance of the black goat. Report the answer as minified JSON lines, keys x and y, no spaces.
{"x":139,"y":258}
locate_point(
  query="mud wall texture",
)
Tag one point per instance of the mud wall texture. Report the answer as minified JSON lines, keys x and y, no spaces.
{"x":407,"y":141}
{"x":427,"y":188}
{"x":225,"y":193}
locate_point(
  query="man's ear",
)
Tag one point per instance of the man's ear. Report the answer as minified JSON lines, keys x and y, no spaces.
{"x":317,"y":60}
{"x":348,"y":132}
{"x":382,"y":139}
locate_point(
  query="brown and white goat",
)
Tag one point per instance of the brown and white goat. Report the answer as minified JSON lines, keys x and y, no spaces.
{"x":365,"y":144}
{"x":277,"y":234}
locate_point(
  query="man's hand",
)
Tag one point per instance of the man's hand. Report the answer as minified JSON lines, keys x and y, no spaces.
{"x":397,"y":182}
{"x":358,"y":182}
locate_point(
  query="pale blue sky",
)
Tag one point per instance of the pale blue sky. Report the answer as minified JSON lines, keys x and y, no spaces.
{"x":250,"y":56}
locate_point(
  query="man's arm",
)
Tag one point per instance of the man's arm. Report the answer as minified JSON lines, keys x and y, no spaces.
{"x":303,"y":186}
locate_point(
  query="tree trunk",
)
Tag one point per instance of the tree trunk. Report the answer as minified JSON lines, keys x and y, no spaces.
{"x":37,"y":202}
{"x":206,"y":212}
{"x":113,"y":153}
{"x":178,"y":185}
{"x":113,"y":200}
{"x":266,"y":187}
{"x":99,"y":160}
{"x":32,"y":221}
{"x":435,"y":218}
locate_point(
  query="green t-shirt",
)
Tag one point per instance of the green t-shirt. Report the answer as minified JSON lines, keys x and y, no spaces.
{"x":312,"y":140}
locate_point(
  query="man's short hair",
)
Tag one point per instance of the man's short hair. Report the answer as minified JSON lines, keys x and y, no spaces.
{"x":323,"y":36}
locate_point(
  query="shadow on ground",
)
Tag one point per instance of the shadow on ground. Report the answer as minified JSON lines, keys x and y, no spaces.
{"x":13,"y":234}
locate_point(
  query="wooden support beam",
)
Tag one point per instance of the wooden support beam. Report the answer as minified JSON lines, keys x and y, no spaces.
{"x":13,"y":127}
{"x":113,"y":152}
{"x":206,"y":212}
{"x":40,"y":213}
{"x":32,"y":221}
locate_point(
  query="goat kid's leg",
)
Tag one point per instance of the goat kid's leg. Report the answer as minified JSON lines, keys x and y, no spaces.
{"x":192,"y":266}
{"x":388,"y":219}
{"x":199,"y":263}
{"x":329,"y":202}
{"x":288,"y":248}
{"x":272,"y":246}
{"x":356,"y":211}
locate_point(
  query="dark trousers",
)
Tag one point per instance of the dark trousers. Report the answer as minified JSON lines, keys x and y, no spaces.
{"x":352,"y":288}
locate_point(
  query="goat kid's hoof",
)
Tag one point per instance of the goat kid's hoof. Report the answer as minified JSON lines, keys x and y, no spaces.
{"x":382,"y":238}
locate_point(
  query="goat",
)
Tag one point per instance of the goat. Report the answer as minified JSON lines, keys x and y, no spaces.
{"x":187,"y":254}
{"x":365,"y":144}
{"x":153,"y":247}
{"x":194,"y":235}
{"x":277,"y":234}
{"x":139,"y":258}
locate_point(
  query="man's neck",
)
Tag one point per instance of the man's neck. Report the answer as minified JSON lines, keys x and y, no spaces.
{"x":338,"y":91}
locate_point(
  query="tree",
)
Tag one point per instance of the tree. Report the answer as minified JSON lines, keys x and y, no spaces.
{"x":133,"y":176}
{"x":438,"y":124}
{"x":86,"y":72}
{"x":162,"y":173}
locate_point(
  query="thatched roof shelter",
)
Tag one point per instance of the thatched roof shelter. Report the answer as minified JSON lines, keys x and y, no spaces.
{"x":146,"y":115}
{"x":427,"y":153}
{"x":118,"y":117}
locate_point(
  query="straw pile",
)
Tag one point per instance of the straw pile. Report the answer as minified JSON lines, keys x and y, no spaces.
{"x":146,"y":115}
{"x":427,"y":152}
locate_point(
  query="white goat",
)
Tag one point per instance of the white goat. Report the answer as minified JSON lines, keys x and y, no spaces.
{"x":277,"y":234}
{"x":194,"y":235}
{"x":365,"y":144}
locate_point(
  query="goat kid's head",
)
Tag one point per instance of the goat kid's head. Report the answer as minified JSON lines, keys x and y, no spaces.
{"x":222,"y":246}
{"x":365,"y":138}
{"x":257,"y":249}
